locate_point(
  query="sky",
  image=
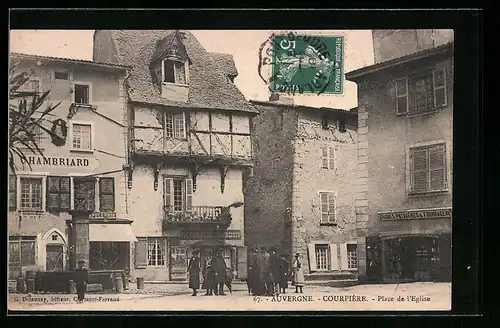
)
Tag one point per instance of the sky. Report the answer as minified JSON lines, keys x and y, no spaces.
{"x":242,"y":44}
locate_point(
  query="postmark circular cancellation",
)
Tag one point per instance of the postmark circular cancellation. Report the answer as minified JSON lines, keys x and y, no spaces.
{"x":300,"y":63}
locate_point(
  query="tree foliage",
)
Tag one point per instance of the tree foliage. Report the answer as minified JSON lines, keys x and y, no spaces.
{"x":30,"y":114}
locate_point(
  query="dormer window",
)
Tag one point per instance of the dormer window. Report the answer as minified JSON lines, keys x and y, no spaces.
{"x":174,"y":71}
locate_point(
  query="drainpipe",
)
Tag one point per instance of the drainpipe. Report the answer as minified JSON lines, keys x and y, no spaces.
{"x":127,"y":166}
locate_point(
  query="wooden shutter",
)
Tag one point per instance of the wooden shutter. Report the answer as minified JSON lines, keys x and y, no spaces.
{"x":141,"y":253}
{"x":344,"y":264}
{"x":12,"y":192}
{"x":402,"y":96}
{"x":324,"y":157}
{"x":323,"y":206}
{"x":241,"y":254}
{"x":53,"y":189}
{"x":439,"y":84}
{"x":419,"y":170}
{"x":334,"y":257}
{"x":189,"y":194}
{"x":107,"y":194}
{"x":437,"y":168}
{"x":168,"y":125}
{"x":311,"y":249}
{"x":331,"y":158}
{"x":64,"y":193}
{"x":168,"y":193}
{"x":331,"y":207}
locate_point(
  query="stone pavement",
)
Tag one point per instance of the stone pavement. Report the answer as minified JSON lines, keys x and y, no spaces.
{"x":176,"y":297}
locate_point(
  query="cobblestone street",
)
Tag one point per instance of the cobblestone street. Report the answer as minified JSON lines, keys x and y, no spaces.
{"x":176,"y":297}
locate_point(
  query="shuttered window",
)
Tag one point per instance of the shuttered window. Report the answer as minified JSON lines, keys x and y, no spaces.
{"x":58,"y":194}
{"x":428,"y":169}
{"x":327,"y":157}
{"x":31,"y":194}
{"x":189,"y":194}
{"x":177,"y":194}
{"x":107,"y":194}
{"x":422,"y":93}
{"x":84,"y":194}
{"x":12,"y":192}
{"x":327,"y":207}
{"x":402,"y":96}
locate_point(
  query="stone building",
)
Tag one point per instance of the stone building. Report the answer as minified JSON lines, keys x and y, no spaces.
{"x":82,"y":170}
{"x":405,"y":153}
{"x":189,"y":150}
{"x":301,"y":196}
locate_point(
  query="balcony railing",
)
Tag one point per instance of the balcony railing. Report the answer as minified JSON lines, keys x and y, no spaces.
{"x":198,"y":215}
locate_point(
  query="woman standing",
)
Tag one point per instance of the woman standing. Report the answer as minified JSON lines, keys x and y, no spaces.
{"x":194,"y":272}
{"x":298,"y":274}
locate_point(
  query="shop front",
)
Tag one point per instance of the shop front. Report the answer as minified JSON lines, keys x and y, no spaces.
{"x":207,"y":243}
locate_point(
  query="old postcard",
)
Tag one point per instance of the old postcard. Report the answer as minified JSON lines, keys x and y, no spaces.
{"x":253,"y":170}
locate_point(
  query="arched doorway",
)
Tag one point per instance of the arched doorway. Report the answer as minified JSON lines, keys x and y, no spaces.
{"x":54,"y":245}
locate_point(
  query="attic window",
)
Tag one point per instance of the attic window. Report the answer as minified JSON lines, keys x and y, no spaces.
{"x":61,"y":75}
{"x":174,"y":71}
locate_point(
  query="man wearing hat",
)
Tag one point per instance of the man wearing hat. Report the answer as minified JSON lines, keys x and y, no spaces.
{"x":220,"y":270}
{"x":81,"y":278}
{"x":194,"y":272}
{"x":274,"y":270}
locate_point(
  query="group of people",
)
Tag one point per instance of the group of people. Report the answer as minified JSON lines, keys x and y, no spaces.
{"x":269,"y":275}
{"x":214,"y":273}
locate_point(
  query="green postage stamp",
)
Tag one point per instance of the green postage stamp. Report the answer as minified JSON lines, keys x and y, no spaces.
{"x":307,"y":64}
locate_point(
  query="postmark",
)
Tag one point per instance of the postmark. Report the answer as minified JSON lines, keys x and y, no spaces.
{"x":302,"y":64}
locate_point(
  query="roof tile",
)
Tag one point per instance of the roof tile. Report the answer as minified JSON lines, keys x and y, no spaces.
{"x":209,"y":87}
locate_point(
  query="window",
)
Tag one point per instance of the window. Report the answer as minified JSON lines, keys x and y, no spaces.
{"x":174,"y":71}
{"x":327,"y":157}
{"x":422,"y":93}
{"x":428,"y":169}
{"x":84,"y":194}
{"x":402,"y":96}
{"x":324,"y":123}
{"x":107,"y":194}
{"x":61,"y":75}
{"x":22,"y":252}
{"x":175,"y":125}
{"x":82,"y":94}
{"x":178,"y":194}
{"x":32,"y":85}
{"x":322,"y":257}
{"x":31,"y":194}
{"x":82,"y":136}
{"x":58,"y":194}
{"x":352,"y":256}
{"x":156,"y":251}
{"x":179,"y":258}
{"x":342,"y":127}
{"x":327,"y":207}
{"x":12,"y":192}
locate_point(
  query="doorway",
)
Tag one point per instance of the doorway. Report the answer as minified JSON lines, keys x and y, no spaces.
{"x":54,"y":258}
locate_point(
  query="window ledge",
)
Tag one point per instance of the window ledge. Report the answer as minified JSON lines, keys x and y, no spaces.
{"x":328,"y":224}
{"x":434,"y":111}
{"x":427,"y":193}
{"x":87,"y":151}
{"x":30,"y":211}
{"x":176,"y":84}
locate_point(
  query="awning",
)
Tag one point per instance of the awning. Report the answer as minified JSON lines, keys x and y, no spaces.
{"x":111,"y":232}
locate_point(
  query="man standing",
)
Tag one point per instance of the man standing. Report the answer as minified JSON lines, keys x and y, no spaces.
{"x":220,"y":270}
{"x":283,"y":279}
{"x":194,"y":272}
{"x":266,"y":273}
{"x":275,"y":271}
{"x":81,"y":278}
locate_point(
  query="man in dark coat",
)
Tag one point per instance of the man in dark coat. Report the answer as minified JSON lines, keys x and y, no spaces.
{"x":266,"y":272}
{"x":252,"y":270}
{"x":284,"y":267}
{"x":220,"y":270}
{"x":274,"y":271}
{"x":81,"y":278}
{"x":208,"y":275}
{"x":194,"y":272}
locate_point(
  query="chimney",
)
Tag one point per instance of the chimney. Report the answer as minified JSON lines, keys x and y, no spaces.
{"x":276,"y":98}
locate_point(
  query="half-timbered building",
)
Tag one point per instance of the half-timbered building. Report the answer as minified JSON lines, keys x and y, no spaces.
{"x":189,"y":150}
